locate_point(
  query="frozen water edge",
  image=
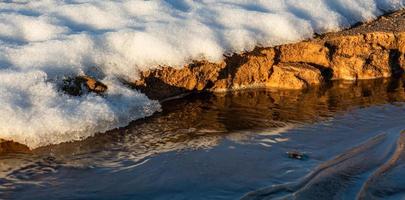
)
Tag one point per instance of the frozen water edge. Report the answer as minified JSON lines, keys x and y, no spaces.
{"x":43,"y":41}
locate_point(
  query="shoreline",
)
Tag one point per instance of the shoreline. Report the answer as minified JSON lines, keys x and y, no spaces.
{"x":376,"y":91}
{"x":367,"y":51}
{"x":336,"y":97}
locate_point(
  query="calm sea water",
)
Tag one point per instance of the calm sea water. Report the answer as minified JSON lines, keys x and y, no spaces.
{"x":232,"y":146}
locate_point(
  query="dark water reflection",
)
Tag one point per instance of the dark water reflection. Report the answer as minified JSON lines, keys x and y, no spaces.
{"x":226,"y":146}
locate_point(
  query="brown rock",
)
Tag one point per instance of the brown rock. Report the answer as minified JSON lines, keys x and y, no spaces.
{"x":294,"y":76}
{"x":92,"y":84}
{"x":377,"y":65}
{"x":74,"y":86}
{"x":402,"y":61}
{"x":401,"y":49}
{"x":347,"y":67}
{"x":363,"y":56}
{"x":373,"y":50}
{"x":383,"y":39}
{"x":292,"y":66}
{"x":248,"y":70}
{"x":206,"y":74}
{"x":348,"y":46}
{"x":307,"y":52}
{"x":401,"y":42}
{"x":12,"y":147}
{"x":220,"y":85}
{"x":167,"y":82}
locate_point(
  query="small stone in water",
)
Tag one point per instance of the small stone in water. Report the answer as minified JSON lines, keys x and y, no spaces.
{"x":296,"y":155}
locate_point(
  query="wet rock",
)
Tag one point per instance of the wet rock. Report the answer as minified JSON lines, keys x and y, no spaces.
{"x":76,"y":86}
{"x":297,"y":155}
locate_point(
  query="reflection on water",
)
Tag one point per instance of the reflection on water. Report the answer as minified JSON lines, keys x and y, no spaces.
{"x":224,"y":146}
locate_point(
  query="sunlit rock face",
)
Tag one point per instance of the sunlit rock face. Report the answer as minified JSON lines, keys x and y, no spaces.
{"x":372,"y":50}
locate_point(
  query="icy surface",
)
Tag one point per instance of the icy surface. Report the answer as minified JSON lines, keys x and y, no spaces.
{"x":43,"y":41}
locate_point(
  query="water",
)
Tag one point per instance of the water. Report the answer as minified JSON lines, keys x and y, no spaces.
{"x":231,"y":146}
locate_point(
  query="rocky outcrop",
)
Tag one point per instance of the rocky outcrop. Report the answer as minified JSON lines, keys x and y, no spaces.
{"x":365,"y":52}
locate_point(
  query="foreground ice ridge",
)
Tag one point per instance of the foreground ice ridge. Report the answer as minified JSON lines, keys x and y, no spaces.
{"x":42,"y":42}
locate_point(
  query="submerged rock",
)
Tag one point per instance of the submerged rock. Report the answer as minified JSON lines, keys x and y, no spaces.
{"x":297,"y":155}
